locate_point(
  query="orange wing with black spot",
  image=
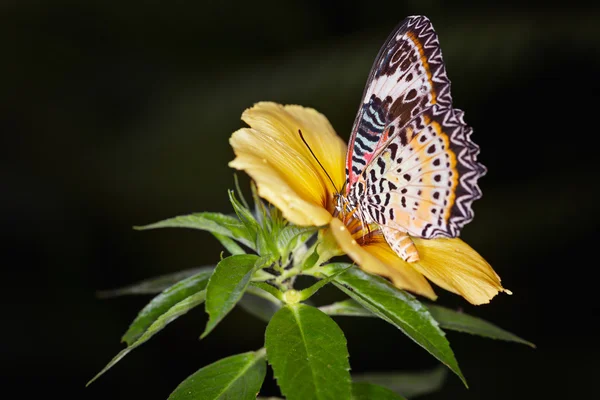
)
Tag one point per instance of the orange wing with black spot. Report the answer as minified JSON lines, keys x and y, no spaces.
{"x":407,"y":78}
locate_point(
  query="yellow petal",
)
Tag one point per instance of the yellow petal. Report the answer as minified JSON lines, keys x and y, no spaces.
{"x":455,"y":266}
{"x":286,"y":174}
{"x":329,"y":148}
{"x":282,"y":123}
{"x":255,"y":156}
{"x":377,"y":258}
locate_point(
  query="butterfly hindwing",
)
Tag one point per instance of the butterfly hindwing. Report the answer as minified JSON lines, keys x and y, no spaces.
{"x":407,"y":77}
{"x":425,"y":179}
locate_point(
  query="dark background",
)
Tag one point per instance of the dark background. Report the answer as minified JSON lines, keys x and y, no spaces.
{"x":115,"y":114}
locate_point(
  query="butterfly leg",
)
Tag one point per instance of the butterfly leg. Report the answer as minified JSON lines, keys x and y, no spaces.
{"x":401,"y":243}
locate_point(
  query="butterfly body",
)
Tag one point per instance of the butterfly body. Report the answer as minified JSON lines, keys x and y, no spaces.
{"x":411,"y":168}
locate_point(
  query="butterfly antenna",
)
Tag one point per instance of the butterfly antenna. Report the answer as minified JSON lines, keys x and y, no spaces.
{"x":319,"y":162}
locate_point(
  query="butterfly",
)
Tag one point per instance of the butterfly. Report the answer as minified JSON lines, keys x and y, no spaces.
{"x":411,"y":167}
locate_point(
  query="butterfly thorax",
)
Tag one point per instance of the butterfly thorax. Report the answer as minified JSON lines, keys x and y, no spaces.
{"x":348,"y":209}
{"x":364,"y":222}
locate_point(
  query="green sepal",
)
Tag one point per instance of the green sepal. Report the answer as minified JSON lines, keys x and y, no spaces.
{"x":261,"y":212}
{"x":292,"y":237}
{"x":245,"y":216}
{"x":311,"y":260}
{"x":236,"y":182}
{"x":262,"y":239}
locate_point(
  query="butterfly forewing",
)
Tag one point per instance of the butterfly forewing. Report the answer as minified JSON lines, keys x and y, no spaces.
{"x":407,"y":77}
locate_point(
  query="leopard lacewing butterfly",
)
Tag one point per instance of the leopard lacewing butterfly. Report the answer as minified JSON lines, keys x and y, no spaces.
{"x":411,"y":166}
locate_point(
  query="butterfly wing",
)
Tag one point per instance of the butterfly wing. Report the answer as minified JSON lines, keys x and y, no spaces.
{"x":425,"y":187}
{"x":407,"y":77}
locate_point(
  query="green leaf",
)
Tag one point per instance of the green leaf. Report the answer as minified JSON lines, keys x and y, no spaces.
{"x":409,"y":384}
{"x":173,"y":313}
{"x":369,"y":391}
{"x":308,"y":353}
{"x":311,"y":260}
{"x":447,"y":318}
{"x":232,"y":247}
{"x":347,"y":308}
{"x":239,"y":191}
{"x":235,"y":377}
{"x":262,"y":239}
{"x":220,"y":224}
{"x":398,"y":308}
{"x":458,"y":321}
{"x":261,"y":212}
{"x":164,"y":301}
{"x":152,"y":285}
{"x":226,"y":286}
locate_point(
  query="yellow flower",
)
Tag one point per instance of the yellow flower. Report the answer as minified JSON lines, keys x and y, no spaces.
{"x":272,"y":152}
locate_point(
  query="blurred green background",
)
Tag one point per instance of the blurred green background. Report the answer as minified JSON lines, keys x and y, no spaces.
{"x":116,"y":114}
